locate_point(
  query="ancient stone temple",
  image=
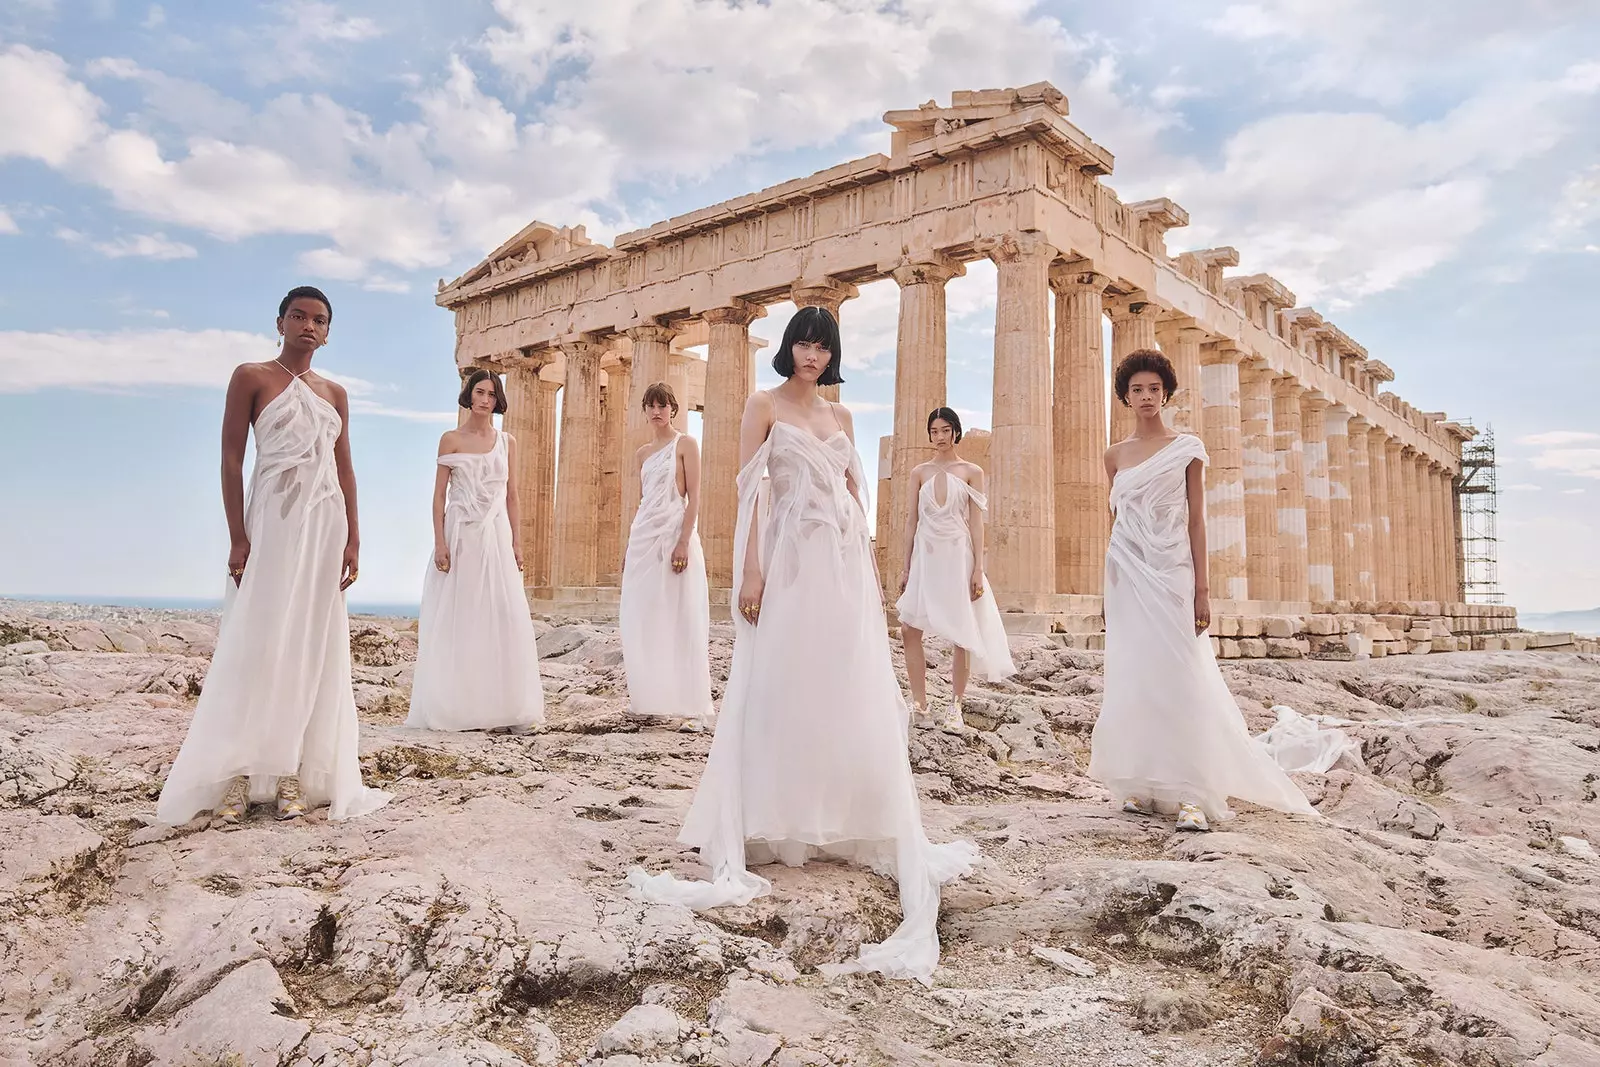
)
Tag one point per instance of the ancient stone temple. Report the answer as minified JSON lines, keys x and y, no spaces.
{"x":1327,"y":498}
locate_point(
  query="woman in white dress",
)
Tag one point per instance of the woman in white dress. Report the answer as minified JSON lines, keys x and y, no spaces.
{"x":477,"y":663}
{"x":277,"y":716}
{"x":665,"y":617}
{"x":1169,"y":736}
{"x":810,"y":751}
{"x":943,"y":590}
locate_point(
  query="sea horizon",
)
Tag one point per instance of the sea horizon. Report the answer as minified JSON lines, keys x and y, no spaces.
{"x":168,"y":603}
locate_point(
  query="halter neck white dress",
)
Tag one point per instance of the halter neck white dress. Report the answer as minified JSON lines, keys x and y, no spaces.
{"x":477,"y":663}
{"x":1168,"y":728}
{"x":938,"y":597}
{"x":810,"y":752}
{"x":277,"y":698}
{"x":665,"y":618}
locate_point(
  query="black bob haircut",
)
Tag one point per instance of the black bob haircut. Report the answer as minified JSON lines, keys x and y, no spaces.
{"x":465,"y":400}
{"x":1145,"y":359}
{"x":819,"y":327}
{"x":310,"y":292}
{"x":947,"y":415}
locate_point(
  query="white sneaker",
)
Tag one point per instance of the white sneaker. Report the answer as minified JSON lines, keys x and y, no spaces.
{"x":949,"y":719}
{"x":1135,"y":806}
{"x":1192,"y":818}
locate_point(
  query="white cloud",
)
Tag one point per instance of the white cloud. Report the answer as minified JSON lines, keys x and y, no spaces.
{"x":1559,"y":437}
{"x":1576,"y":216}
{"x":143,"y":245}
{"x":44,"y":113}
{"x":155,"y":17}
{"x":7,"y":223}
{"x":304,"y":41}
{"x":1584,"y":462}
{"x":1572,"y":492}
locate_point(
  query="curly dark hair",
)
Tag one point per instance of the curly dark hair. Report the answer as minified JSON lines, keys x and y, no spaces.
{"x":1145,"y":359}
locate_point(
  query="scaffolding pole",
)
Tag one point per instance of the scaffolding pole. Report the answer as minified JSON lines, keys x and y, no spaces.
{"x":1477,"y":501}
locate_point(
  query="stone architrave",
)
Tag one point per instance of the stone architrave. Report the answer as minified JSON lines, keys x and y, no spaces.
{"x":1341,"y":517}
{"x":1427,"y":525}
{"x":1181,"y":344}
{"x":615,"y":459}
{"x":1360,"y":481}
{"x":1021,"y":552}
{"x":1383,"y":556}
{"x":827,"y":293}
{"x":1449,"y":570}
{"x":1262,"y":562}
{"x":1319,"y":521}
{"x":1289,"y":469}
{"x":1399,"y":541}
{"x":652,"y":353}
{"x":1078,"y":425}
{"x":1225,"y":518}
{"x":728,"y":386}
{"x":578,"y":477}
{"x":919,"y":387}
{"x":1133,"y":326}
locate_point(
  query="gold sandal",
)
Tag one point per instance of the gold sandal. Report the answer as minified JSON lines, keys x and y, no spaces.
{"x":1135,"y":806}
{"x":290,"y":805}
{"x":235,"y":801}
{"x":1192,"y":818}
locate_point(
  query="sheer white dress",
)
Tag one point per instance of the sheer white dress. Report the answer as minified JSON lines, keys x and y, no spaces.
{"x":810,"y":751}
{"x":1169,"y":730}
{"x":477,"y":662}
{"x":665,"y":618}
{"x":938,"y":597}
{"x":277,"y":699}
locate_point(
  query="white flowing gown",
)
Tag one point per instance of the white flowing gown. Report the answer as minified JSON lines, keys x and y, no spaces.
{"x":810,"y":751}
{"x":1169,"y":729}
{"x":938,"y":597}
{"x":477,"y":663}
{"x":665,"y":618}
{"x":277,"y":699}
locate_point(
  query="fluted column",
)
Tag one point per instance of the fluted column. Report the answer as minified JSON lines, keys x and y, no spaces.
{"x":1416,"y":558}
{"x":919,"y":387}
{"x":1383,"y":554}
{"x":1133,"y":326}
{"x":1078,"y":425}
{"x":1225,"y":520}
{"x":1319,"y":523}
{"x":1341,"y":520}
{"x":527,"y":422}
{"x":615,"y":459}
{"x":1262,"y":561}
{"x":1426,"y":525}
{"x":1181,"y":344}
{"x":1449,"y":574}
{"x":1289,"y":468}
{"x":1399,"y":541}
{"x":652,"y":354}
{"x":678,"y":382}
{"x":578,"y":477}
{"x":1360,"y":476}
{"x":1022,"y":512}
{"x":727,"y":389}
{"x":825,"y":293}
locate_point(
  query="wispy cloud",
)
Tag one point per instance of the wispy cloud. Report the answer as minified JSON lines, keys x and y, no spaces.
{"x":1559,"y":437}
{"x":142,"y":245}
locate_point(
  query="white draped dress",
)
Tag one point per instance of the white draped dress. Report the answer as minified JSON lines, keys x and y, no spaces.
{"x":1169,"y":730}
{"x":938,"y":596}
{"x":665,"y":618}
{"x":277,"y":699}
{"x":810,"y":751}
{"x":477,"y":663}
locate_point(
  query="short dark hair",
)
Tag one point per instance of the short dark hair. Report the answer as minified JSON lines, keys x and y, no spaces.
{"x":1145,"y":359}
{"x":660,"y":393}
{"x":310,"y":292}
{"x":818,"y":326}
{"x":465,"y":400}
{"x":948,"y":415}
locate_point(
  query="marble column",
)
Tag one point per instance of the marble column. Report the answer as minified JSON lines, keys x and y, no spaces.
{"x":1359,"y":473}
{"x":652,"y":354}
{"x":1399,"y":542}
{"x":1262,"y":561}
{"x":615,"y":459}
{"x":1341,"y":520}
{"x":1416,"y":564}
{"x":678,"y":382}
{"x":1181,"y":344}
{"x":1383,"y":553}
{"x":727,"y":388}
{"x":919,"y":387}
{"x":1426,"y":525}
{"x":1319,"y":524}
{"x":1289,"y":468}
{"x":578,"y":477}
{"x":522,"y":422}
{"x":827,"y":293}
{"x":1133,"y":326}
{"x":1449,"y":580}
{"x":1225,"y":519}
{"x":1021,"y":535}
{"x":1078,"y":425}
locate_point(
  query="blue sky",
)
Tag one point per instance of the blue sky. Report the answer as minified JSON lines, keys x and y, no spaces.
{"x":1425,"y":174}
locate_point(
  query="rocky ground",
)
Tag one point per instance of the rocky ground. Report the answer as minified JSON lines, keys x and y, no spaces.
{"x":1447,"y":911}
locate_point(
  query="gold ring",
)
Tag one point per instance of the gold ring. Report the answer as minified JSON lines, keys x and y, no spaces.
{"x":236,"y":573}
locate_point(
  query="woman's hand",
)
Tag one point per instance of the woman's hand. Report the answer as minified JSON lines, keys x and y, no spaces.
{"x":1202,"y":611}
{"x":680,"y":557}
{"x":516,"y":554}
{"x":238,"y":556}
{"x":975,"y":583}
{"x":351,"y":565}
{"x":905,"y":579}
{"x":441,"y":558}
{"x":750,"y":591}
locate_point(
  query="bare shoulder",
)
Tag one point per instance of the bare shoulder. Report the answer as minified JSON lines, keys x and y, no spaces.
{"x":644,"y":450}
{"x":449,"y":441}
{"x":971,"y":473}
{"x":687,"y":445}
{"x":847,"y":420}
{"x":760,"y":401}
{"x":510,"y":440}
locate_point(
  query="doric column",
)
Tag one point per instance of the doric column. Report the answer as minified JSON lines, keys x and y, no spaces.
{"x":919,"y":387}
{"x":1225,"y":522}
{"x":1133,"y":326}
{"x":615,"y":459}
{"x":1383,"y":555}
{"x":1078,"y":425}
{"x":1416,"y":558}
{"x":1341,"y":521}
{"x":827,"y":293}
{"x":1449,"y":580}
{"x":578,"y":477}
{"x":1289,"y":468}
{"x":652,"y":354}
{"x":528,"y":421}
{"x":1319,"y":527}
{"x":678,"y":382}
{"x":1262,"y":561}
{"x":1359,"y":473}
{"x":1021,"y":535}
{"x":1181,"y":344}
{"x":727,"y":389}
{"x":1399,"y":540}
{"x":1426,"y":526}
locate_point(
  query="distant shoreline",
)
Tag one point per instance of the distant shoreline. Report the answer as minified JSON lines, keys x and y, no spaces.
{"x":207,"y":604}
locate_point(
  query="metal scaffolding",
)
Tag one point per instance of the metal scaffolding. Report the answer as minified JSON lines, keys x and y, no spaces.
{"x":1478,"y":546}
